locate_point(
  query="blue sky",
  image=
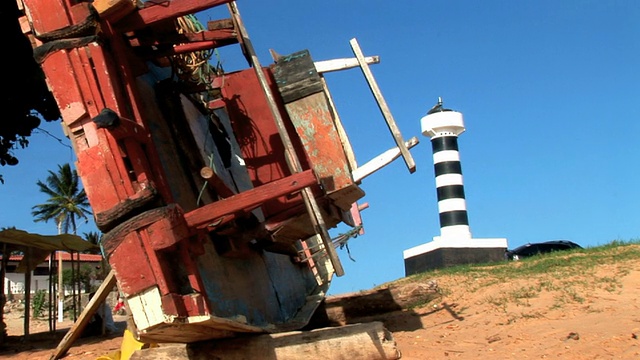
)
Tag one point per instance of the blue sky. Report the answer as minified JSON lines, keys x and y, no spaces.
{"x":550,"y":92}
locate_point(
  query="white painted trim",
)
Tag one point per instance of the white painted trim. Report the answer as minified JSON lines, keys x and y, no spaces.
{"x":438,"y":243}
{"x":146,"y":308}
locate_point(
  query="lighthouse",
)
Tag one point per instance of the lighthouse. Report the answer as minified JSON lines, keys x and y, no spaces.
{"x":444,"y":126}
{"x":454,"y":245}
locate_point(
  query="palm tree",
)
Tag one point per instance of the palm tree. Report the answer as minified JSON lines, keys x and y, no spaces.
{"x":67,"y":202}
{"x":96,"y":239}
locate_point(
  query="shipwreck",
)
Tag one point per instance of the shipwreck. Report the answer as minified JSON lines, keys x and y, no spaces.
{"x":214,"y":190}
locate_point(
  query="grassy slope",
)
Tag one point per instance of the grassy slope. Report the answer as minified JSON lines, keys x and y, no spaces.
{"x":570,"y":276}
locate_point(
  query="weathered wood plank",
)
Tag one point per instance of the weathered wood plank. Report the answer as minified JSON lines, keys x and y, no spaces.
{"x":155,"y":12}
{"x":293,"y":162}
{"x":315,"y":127}
{"x":249,"y":199}
{"x":368,"y":341}
{"x":303,"y":92}
{"x":344,"y":138}
{"x":381,"y":161}
{"x":47,"y":15}
{"x":296,"y":76}
{"x":391,"y":123}
{"x":76,"y":330}
{"x":365,"y":305}
{"x":325,"y":66}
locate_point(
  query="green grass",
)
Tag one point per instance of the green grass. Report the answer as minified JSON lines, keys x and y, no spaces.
{"x":570,"y":276}
{"x":559,"y":261}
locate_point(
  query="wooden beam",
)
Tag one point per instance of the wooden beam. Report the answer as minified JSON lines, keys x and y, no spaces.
{"x":76,"y":330}
{"x":325,"y":66}
{"x":381,"y":161}
{"x":165,"y":10}
{"x":216,"y":182}
{"x":391,"y":123}
{"x":368,"y":341}
{"x":248,"y":200}
{"x":352,"y":308}
{"x":207,"y":35}
{"x":214,"y":39}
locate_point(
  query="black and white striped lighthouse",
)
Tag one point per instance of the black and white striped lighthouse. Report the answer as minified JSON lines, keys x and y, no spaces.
{"x":454,"y":246}
{"x":444,"y":126}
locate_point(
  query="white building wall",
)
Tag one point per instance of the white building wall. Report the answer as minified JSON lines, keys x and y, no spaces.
{"x":15,"y":282}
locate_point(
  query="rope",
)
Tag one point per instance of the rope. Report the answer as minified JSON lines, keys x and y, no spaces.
{"x":340,"y":241}
{"x":197,"y":62}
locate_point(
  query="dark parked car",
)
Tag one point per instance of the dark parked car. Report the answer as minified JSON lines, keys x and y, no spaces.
{"x":540,"y":248}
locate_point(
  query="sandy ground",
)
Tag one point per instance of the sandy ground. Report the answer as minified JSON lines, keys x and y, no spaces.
{"x":590,"y":316}
{"x":42,"y":343}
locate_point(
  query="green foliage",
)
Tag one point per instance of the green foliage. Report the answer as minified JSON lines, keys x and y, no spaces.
{"x":67,"y":201}
{"x":38,"y":303}
{"x":96,"y":239}
{"x":86,"y":274}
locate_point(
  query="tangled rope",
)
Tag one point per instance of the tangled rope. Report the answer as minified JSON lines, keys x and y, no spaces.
{"x":194,"y":64}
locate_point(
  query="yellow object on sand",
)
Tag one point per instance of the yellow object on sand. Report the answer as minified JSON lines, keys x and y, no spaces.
{"x":129,"y":345}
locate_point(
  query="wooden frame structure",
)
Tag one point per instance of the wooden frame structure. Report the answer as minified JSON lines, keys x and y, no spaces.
{"x":214,"y":190}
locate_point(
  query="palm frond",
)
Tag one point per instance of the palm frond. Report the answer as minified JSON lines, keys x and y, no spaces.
{"x":67,"y":201}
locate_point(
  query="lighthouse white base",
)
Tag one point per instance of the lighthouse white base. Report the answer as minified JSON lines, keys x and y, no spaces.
{"x":445,"y":252}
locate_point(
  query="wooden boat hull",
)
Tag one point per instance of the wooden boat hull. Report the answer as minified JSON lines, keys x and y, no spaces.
{"x":214,"y":194}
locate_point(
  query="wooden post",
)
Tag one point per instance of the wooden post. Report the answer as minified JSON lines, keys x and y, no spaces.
{"x":3,"y":267}
{"x":408,"y":159}
{"x":51,"y":296}
{"x":60,"y":301}
{"x":73,"y":286}
{"x":292,"y":160}
{"x":27,"y":294}
{"x":60,"y":288}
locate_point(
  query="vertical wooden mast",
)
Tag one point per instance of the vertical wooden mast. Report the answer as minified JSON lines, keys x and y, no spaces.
{"x":292,"y":160}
